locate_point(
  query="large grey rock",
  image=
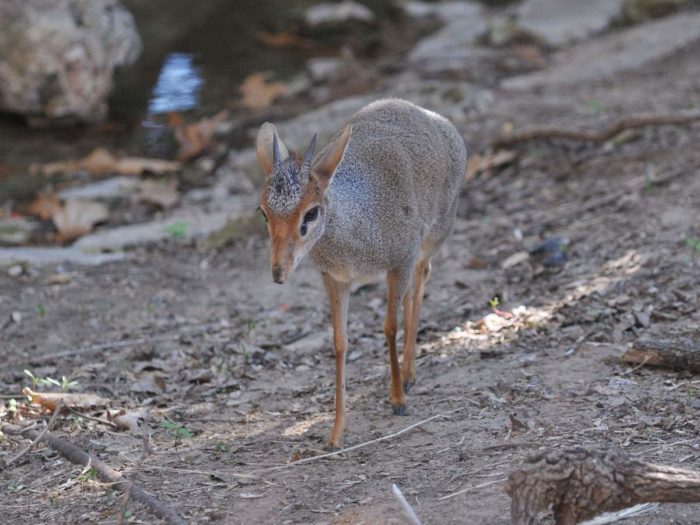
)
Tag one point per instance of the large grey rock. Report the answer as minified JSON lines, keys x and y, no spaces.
{"x":559,"y":22}
{"x":615,"y":53}
{"x":182,"y":225}
{"x":42,"y":256}
{"x":57,"y":57}
{"x":453,"y":45}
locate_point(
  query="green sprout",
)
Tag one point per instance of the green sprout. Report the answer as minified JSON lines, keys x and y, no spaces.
{"x":494,"y":302}
{"x":177,"y":230}
{"x":178,"y":431}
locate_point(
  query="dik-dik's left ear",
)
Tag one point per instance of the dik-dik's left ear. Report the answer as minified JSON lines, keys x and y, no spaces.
{"x":269,"y":148}
{"x":325,"y":167}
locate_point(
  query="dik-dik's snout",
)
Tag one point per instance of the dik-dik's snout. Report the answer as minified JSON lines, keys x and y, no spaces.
{"x":278,"y":274}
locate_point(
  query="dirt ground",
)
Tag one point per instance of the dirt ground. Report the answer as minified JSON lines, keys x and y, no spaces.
{"x":237,"y":372}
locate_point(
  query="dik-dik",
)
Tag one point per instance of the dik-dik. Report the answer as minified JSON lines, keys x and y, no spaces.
{"x":380,"y":197}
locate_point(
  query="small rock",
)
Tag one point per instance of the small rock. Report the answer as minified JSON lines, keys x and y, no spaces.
{"x":643,"y":318}
{"x":60,"y":278}
{"x":340,"y":13}
{"x":323,"y":69}
{"x":15,"y":270}
{"x":16,"y":317}
{"x":311,"y":343}
{"x":354,"y":355}
{"x":550,"y":253}
{"x":559,"y":22}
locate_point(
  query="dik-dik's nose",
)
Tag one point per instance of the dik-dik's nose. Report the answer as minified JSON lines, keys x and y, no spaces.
{"x":278,"y":274}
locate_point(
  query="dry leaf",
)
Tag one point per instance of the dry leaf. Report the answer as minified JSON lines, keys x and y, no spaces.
{"x":60,"y":278}
{"x":78,"y":217}
{"x":195,"y":138}
{"x":129,"y":420}
{"x":162,"y":194}
{"x":44,"y":206}
{"x":102,"y":162}
{"x":149,"y":384}
{"x":49,"y":400}
{"x":479,"y":163}
{"x":286,"y":39}
{"x":258,"y":93}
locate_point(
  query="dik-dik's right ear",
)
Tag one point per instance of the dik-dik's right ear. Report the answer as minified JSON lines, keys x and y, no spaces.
{"x":325,"y":167}
{"x":265,"y":145}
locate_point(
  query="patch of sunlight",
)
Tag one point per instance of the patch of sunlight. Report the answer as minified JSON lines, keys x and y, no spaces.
{"x":178,"y":85}
{"x":302,"y":427}
{"x":631,"y":262}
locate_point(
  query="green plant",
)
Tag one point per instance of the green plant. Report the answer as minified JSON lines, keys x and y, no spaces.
{"x":41,"y":310}
{"x":12,"y":406}
{"x":177,"y":230}
{"x":178,"y":431}
{"x":694,"y":245}
{"x":63,"y":384}
{"x":494,"y":302}
{"x":88,"y":475}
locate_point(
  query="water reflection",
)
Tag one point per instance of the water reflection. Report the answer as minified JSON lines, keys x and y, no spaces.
{"x":178,"y":85}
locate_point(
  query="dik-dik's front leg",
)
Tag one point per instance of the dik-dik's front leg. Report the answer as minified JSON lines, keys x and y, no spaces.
{"x":338,"y":296}
{"x":397,"y":282}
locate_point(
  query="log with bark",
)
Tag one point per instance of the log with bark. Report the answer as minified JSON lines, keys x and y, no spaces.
{"x":677,"y":354}
{"x":579,"y":484}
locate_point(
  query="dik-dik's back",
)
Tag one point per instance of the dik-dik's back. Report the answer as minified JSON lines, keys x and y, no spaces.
{"x":394,"y":194}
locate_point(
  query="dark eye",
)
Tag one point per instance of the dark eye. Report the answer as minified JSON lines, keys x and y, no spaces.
{"x":262,"y":213}
{"x":311,"y":215}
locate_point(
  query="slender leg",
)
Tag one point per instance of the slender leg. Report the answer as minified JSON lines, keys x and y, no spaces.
{"x":411,"y":316}
{"x":338,"y":297}
{"x":397,"y":283}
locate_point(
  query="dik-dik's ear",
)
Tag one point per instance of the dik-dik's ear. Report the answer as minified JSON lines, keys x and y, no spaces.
{"x":265,"y":145}
{"x":325,"y":167}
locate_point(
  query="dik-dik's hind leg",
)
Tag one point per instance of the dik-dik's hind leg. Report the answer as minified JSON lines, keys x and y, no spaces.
{"x":397,"y":282}
{"x":411,"y":312}
{"x":338,"y":297}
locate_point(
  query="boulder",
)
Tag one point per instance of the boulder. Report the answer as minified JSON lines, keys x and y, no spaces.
{"x":57,"y":57}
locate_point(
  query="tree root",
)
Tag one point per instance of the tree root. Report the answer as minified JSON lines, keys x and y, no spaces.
{"x":629,"y":122}
{"x":580,"y":484}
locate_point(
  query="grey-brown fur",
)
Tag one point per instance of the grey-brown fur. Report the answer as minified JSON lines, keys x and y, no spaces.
{"x":394,"y":194}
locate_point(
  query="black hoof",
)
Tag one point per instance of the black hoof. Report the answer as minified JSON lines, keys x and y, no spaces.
{"x":399,"y":410}
{"x":407,"y":385}
{"x":333,"y":448}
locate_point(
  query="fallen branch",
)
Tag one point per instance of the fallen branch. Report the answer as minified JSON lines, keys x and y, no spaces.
{"x":629,"y":122}
{"x":104,"y":471}
{"x":39,"y":436}
{"x":678,"y":355}
{"x":580,"y":484}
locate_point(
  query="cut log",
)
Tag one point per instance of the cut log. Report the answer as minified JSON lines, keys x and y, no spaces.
{"x":579,"y":484}
{"x":675,"y":354}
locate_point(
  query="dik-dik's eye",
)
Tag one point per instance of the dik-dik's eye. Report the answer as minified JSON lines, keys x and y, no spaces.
{"x":309,"y":216}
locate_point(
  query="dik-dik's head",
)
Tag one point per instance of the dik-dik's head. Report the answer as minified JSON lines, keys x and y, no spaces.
{"x":293,"y":198}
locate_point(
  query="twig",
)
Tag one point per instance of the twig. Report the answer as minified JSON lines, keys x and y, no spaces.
{"x":629,"y":122}
{"x":39,"y":436}
{"x":92,"y":418}
{"x":475,"y":487}
{"x":405,"y":506}
{"x":104,"y":471}
{"x":359,"y":445}
{"x":130,"y":485}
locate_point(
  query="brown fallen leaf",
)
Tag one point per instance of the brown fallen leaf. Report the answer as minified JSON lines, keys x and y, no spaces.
{"x":162,"y":194}
{"x":102,"y":162}
{"x":258,"y":93}
{"x":129,"y":420}
{"x":78,"y":217}
{"x":49,"y":400}
{"x":149,"y":384}
{"x":195,"y":138}
{"x":44,"y":206}
{"x":291,"y":40}
{"x":60,"y":278}
{"x":479,"y":163}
